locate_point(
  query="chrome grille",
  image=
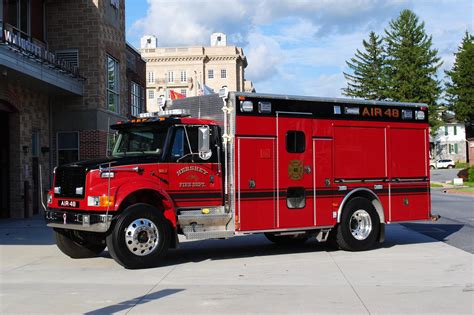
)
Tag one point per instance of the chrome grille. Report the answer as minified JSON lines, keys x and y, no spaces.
{"x":67,"y":179}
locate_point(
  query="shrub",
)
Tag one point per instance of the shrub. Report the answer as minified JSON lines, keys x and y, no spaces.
{"x":464,"y":174}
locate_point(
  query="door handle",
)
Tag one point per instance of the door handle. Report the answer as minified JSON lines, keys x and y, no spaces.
{"x":252,"y":183}
{"x":307,"y":169}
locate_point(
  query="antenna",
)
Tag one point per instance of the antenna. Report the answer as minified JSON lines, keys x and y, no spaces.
{"x":108,"y":135}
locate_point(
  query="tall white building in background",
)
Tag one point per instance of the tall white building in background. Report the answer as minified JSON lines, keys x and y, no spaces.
{"x":186,"y":70}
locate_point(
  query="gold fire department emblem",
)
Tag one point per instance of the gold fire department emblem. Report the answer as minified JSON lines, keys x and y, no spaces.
{"x":295,"y":169}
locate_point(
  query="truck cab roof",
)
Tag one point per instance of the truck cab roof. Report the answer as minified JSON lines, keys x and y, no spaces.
{"x":170,"y":117}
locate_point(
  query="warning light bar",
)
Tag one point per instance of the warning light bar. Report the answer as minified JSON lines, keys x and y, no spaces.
{"x":167,"y":113}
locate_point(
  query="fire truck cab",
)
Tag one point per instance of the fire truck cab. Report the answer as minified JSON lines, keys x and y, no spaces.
{"x":286,"y":166}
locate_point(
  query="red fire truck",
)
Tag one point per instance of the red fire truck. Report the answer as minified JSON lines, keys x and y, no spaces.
{"x":288,"y":167}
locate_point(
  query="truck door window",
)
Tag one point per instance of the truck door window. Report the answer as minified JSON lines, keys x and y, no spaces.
{"x":177,"y":150}
{"x":295,"y":142}
{"x":184,"y":145}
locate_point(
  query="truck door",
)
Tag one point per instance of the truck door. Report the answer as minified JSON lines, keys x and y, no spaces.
{"x":194,"y":181}
{"x":295,"y":206}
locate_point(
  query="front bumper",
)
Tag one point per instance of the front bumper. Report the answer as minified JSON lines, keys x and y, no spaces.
{"x":78,"y":221}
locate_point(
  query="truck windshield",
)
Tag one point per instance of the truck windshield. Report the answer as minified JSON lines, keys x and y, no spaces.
{"x":140,"y":141}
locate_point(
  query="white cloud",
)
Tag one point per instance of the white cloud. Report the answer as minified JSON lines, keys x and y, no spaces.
{"x":299,"y":46}
{"x":187,"y":22}
{"x":325,"y":85}
{"x":264,"y":57}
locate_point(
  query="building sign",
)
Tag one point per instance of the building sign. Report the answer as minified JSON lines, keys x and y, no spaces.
{"x":34,"y":51}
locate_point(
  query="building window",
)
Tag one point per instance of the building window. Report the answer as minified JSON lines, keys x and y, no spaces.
{"x":113,"y":85}
{"x":455,"y":130}
{"x":151,"y":77}
{"x":183,"y":91}
{"x":184,"y":76}
{"x":445,"y":130}
{"x":151,"y":94}
{"x":68,"y":147}
{"x":223,"y":73}
{"x":210,"y":74}
{"x":71,"y":56}
{"x":137,"y":99}
{"x":18,"y":15}
{"x":453,"y":148}
{"x":170,"y":76}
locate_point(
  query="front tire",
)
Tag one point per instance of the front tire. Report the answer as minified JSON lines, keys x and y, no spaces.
{"x":359,"y":226}
{"x":140,"y":237}
{"x":78,"y":244}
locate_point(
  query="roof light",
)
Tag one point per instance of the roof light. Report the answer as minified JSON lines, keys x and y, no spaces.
{"x":246,"y":106}
{"x":167,"y":113}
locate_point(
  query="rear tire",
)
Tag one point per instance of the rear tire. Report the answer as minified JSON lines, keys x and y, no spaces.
{"x":359,"y":226}
{"x":450,"y":166}
{"x":79,"y":244}
{"x":286,"y":240}
{"x":140,"y":237}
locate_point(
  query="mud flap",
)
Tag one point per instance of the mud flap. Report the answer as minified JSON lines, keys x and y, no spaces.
{"x":382,"y":233}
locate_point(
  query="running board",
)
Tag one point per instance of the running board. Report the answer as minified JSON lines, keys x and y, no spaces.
{"x":208,"y":235}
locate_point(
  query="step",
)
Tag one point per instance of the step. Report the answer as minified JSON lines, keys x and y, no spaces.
{"x":208,"y":235}
{"x":211,"y":219}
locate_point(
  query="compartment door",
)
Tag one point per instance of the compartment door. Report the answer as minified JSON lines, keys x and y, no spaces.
{"x":295,"y":206}
{"x":256,"y":183}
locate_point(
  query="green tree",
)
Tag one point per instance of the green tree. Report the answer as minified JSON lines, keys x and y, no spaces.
{"x":411,"y":64}
{"x":367,"y":80}
{"x":460,"y":89}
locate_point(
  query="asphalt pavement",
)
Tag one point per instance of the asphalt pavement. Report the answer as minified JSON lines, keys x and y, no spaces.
{"x":444,"y":175}
{"x":409,"y":273}
{"x":456,"y":226}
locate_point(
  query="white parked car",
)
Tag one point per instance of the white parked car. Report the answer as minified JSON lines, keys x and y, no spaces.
{"x":443,"y":163}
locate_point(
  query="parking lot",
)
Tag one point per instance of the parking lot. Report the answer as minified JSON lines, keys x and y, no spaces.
{"x":409,"y":273}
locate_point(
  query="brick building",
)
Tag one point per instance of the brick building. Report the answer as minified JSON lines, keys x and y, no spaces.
{"x":63,"y":80}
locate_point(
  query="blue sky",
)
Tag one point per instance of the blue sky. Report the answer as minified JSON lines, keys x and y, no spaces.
{"x":294,"y":46}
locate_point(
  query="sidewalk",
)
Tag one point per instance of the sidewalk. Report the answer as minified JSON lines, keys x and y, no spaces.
{"x":409,"y":273}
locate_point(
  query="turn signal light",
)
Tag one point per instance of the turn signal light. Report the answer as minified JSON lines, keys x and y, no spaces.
{"x":106,"y":201}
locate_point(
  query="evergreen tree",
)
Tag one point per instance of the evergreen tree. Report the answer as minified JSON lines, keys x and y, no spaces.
{"x":367,"y":80}
{"x":412,"y":64}
{"x":460,"y":89}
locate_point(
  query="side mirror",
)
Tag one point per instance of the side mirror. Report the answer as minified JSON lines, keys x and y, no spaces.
{"x":204,"y":136}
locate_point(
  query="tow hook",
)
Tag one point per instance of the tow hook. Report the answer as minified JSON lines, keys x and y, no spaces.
{"x":435,"y":217}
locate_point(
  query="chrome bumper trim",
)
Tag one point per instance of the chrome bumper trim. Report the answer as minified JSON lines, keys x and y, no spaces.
{"x":78,"y":221}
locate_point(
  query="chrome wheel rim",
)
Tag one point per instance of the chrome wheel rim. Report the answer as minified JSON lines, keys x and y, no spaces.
{"x":360,"y":225}
{"x":141,"y":237}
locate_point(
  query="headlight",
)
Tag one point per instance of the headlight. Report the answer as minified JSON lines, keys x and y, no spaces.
{"x":50,"y":198}
{"x":93,"y":201}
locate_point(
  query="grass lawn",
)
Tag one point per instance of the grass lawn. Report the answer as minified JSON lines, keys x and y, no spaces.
{"x":435,"y":185}
{"x":469,"y":189}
